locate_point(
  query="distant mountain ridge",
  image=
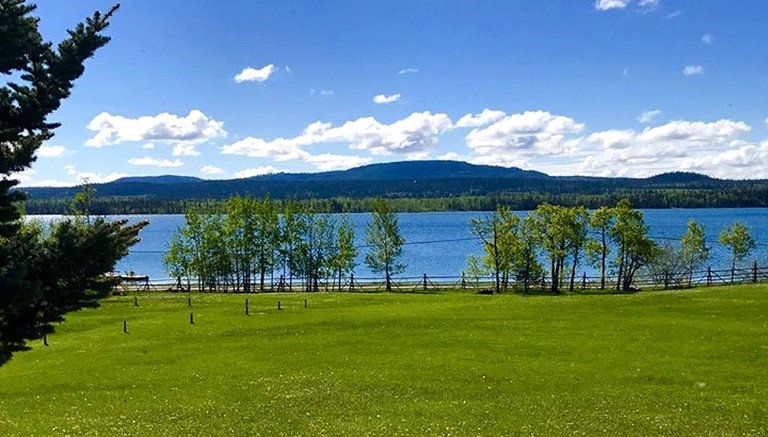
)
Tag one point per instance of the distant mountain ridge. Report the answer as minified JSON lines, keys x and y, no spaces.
{"x":421,"y":179}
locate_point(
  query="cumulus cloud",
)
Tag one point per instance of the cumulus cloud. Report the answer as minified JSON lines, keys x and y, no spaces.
{"x":708,"y":39}
{"x":383,"y":99}
{"x":538,"y":131}
{"x":250,"y":74}
{"x":148,"y":146}
{"x":258,"y":171}
{"x":211,"y":170}
{"x":648,"y":116}
{"x":418,"y":132}
{"x":195,"y":127}
{"x":693,"y":70}
{"x":690,"y":145}
{"x":408,"y":71}
{"x":605,"y":5}
{"x":185,"y":149}
{"x":51,"y":151}
{"x":484,"y":118}
{"x":328,"y":161}
{"x":153,"y":162}
{"x":280,"y":149}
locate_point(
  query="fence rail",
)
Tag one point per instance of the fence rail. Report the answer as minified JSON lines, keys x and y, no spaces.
{"x":433,"y":284}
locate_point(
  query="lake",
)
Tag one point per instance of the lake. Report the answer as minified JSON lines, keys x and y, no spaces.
{"x":438,"y":243}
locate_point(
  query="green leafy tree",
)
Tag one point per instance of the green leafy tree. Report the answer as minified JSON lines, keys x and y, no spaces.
{"x":82,"y":204}
{"x":345,"y":251}
{"x":738,"y":239}
{"x":45,"y":275}
{"x":494,"y":231}
{"x":634,"y":248}
{"x":668,"y":267}
{"x":694,"y":249}
{"x":385,"y":242}
{"x":599,"y":248}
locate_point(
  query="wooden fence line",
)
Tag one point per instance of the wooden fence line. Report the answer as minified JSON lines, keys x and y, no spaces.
{"x":431,"y":284}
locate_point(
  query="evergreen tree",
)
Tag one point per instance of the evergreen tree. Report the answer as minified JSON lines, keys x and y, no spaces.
{"x":43,"y":276}
{"x":385,"y":242}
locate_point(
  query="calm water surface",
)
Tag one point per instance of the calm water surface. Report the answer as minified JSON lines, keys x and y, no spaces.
{"x":438,"y":243}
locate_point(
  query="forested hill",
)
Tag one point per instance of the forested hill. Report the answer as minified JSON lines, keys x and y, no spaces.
{"x":461,"y":186}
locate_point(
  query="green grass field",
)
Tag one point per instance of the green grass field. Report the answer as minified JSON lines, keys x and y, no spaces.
{"x":673,"y":363}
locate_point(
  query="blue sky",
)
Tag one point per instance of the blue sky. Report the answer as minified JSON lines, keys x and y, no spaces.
{"x":568,"y":87}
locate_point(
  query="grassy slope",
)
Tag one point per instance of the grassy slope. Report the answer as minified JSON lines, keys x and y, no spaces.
{"x":678,"y":363}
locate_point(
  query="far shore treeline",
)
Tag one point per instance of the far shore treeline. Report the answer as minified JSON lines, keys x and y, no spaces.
{"x":519,"y":201}
{"x":411,"y":187}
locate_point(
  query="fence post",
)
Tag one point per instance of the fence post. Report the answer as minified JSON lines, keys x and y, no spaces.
{"x":584,"y":281}
{"x":463,"y":281}
{"x":754,"y":272}
{"x":351,"y":282}
{"x":709,"y":276}
{"x":424,"y":286}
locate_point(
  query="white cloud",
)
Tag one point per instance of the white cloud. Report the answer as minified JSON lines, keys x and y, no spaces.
{"x":689,"y":145}
{"x":328,"y":162}
{"x":51,"y":151}
{"x":408,"y":71}
{"x":326,"y":93}
{"x":417,"y":132}
{"x":484,"y":118}
{"x":250,"y":74}
{"x":648,"y":116}
{"x":708,"y":39}
{"x":673,"y":14}
{"x":280,"y":149}
{"x":605,"y":5}
{"x":115,"y":129}
{"x":383,"y":99}
{"x":148,"y":146}
{"x":185,"y":149}
{"x":258,"y":171}
{"x":211,"y":170}
{"x":613,"y":139}
{"x":649,"y":4}
{"x":152,"y":162}
{"x":537,"y":131}
{"x":693,"y":70}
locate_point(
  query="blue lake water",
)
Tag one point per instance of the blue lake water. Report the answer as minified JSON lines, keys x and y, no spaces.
{"x":438,"y":243}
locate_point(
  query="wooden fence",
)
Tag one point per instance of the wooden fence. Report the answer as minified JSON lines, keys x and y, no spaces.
{"x":431,"y":284}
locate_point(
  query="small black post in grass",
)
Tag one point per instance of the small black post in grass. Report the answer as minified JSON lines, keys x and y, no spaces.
{"x":45,"y":339}
{"x":584,"y":281}
{"x":189,"y":301}
{"x":247,"y":308}
{"x":305,"y":303}
{"x":352,"y":282}
{"x":135,"y":301}
{"x":424,"y":286}
{"x":125,"y":326}
{"x":463,"y":281}
{"x":754,"y":272}
{"x":709,"y":276}
{"x":279,"y":308}
{"x":191,"y":319}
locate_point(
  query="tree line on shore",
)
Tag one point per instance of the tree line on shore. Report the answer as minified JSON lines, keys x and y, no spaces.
{"x":252,"y":244}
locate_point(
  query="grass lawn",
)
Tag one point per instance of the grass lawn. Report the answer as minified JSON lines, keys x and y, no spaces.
{"x":665,"y":363}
